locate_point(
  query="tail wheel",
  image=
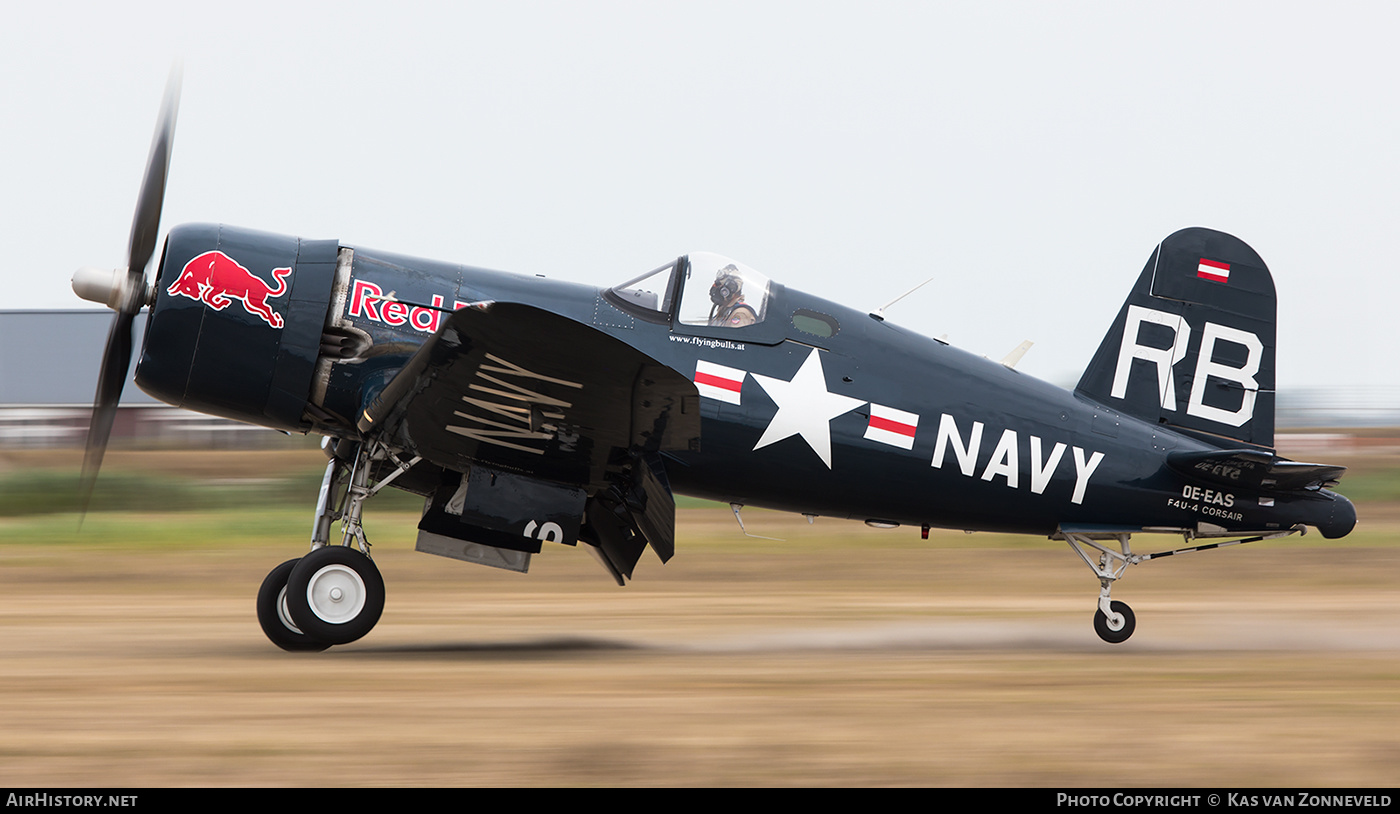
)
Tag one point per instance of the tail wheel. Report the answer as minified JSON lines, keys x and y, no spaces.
{"x":1117,"y":628}
{"x":273,"y":616}
{"x":335,"y":594}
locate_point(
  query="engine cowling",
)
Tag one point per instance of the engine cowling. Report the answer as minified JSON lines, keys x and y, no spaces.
{"x":236,"y":323}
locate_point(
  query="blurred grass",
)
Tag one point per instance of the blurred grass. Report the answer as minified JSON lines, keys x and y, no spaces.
{"x":1381,"y":485}
{"x":168,"y":482}
{"x":247,"y":497}
{"x":34,"y":491}
{"x":135,"y":530}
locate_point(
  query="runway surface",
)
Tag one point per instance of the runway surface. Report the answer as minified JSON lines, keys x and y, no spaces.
{"x":843,"y":656}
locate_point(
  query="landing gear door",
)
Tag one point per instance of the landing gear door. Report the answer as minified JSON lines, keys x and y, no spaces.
{"x":503,"y":509}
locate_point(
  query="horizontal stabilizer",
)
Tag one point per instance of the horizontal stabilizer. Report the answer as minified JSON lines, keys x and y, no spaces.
{"x":1255,"y":470}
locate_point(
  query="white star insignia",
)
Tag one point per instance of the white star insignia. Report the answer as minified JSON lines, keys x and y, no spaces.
{"x":805,"y":408}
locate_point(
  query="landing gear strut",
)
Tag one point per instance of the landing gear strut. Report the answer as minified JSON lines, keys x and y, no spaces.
{"x":1114,"y":621}
{"x":335,"y":594}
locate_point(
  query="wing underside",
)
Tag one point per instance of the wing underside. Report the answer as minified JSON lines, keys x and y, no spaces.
{"x":546,"y":430}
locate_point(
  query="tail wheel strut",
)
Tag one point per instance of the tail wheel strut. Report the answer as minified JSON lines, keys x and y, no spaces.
{"x":1114,"y":621}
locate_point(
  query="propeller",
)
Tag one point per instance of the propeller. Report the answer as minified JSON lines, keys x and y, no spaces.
{"x":125,"y":290}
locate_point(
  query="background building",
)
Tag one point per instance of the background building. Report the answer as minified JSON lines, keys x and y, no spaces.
{"x":48,"y":377}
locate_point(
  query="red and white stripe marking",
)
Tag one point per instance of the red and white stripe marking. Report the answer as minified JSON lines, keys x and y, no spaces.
{"x":891,"y":426}
{"x":719,"y":382}
{"x":1213,"y":270}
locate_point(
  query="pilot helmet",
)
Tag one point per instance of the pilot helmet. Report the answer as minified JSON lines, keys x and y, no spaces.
{"x":728,"y":283}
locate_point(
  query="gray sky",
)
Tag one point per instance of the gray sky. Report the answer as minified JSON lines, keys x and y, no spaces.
{"x":1026,"y":155}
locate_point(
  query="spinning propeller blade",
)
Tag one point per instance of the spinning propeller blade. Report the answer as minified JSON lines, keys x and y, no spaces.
{"x":124,"y":290}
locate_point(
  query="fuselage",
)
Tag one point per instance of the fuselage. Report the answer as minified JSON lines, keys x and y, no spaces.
{"x":818,"y":409}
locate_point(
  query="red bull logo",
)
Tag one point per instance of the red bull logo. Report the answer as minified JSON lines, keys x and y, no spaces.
{"x":216,"y":280}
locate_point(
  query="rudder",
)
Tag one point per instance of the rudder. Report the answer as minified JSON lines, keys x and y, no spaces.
{"x":1200,"y":289}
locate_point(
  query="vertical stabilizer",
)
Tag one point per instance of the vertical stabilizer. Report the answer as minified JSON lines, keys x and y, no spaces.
{"x":1193,"y":346}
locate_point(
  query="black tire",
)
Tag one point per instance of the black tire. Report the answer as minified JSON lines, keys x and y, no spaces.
{"x":272,"y":613}
{"x":335,"y":594}
{"x":1115,"y":636}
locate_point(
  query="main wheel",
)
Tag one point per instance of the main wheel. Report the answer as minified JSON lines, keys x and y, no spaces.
{"x":273,"y":616}
{"x":335,"y":594}
{"x":1114,"y":634}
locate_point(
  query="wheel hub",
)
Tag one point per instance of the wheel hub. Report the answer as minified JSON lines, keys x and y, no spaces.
{"x":284,"y":615}
{"x":336,"y":594}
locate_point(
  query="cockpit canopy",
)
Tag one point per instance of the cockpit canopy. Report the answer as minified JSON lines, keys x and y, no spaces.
{"x":714,"y":292}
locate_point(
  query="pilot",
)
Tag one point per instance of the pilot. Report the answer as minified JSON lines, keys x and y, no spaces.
{"x":727,"y":294}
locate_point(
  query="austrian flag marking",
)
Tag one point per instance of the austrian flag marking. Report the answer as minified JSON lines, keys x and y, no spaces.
{"x":1213,"y":270}
{"x":891,"y":426}
{"x":719,"y":382}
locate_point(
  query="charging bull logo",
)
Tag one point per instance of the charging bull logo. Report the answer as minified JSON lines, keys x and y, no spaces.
{"x":217,"y":280}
